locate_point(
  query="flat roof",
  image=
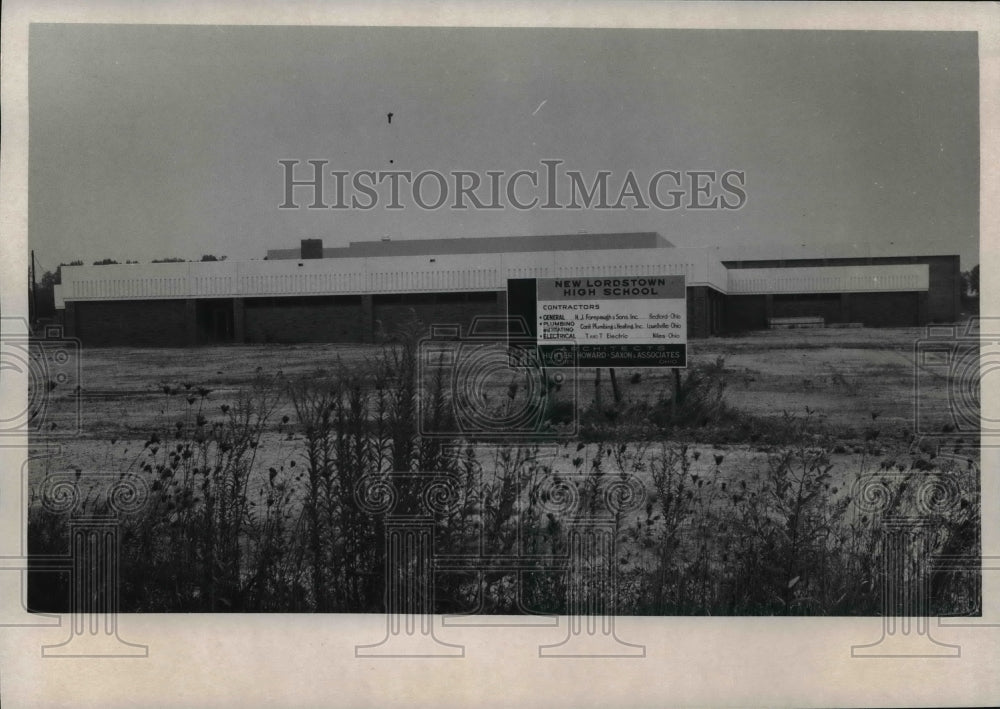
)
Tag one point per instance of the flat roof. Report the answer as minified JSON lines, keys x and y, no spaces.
{"x":488,"y":245}
{"x":733,"y":254}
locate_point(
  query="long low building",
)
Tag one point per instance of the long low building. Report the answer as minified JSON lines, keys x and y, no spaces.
{"x":367,"y":290}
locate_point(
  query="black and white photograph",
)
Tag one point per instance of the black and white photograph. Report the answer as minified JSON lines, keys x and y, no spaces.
{"x":464,"y":331}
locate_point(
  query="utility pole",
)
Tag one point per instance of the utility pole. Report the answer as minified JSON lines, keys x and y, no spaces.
{"x":33,"y":310}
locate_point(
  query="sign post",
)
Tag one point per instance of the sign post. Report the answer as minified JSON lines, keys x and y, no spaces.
{"x":604,"y":322}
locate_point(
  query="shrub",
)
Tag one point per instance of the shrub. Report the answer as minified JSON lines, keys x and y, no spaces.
{"x":226,"y":530}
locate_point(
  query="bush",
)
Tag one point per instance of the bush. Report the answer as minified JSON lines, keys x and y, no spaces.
{"x":694,"y":401}
{"x":226,"y":530}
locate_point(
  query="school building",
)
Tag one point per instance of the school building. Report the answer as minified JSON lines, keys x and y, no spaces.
{"x":364,"y":291}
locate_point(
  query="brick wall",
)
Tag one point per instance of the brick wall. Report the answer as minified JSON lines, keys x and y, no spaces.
{"x":943,"y":304}
{"x":697,"y":311}
{"x":295,"y":320}
{"x":746,"y":312}
{"x":749,"y":312}
{"x":174,"y":323}
{"x":885,"y":309}
{"x":132,"y":323}
{"x":391,"y":313}
{"x":706,"y":311}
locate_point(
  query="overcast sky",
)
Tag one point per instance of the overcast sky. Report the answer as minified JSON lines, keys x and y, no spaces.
{"x":156,"y":141}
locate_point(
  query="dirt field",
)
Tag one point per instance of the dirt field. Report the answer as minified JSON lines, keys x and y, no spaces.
{"x":842,"y":376}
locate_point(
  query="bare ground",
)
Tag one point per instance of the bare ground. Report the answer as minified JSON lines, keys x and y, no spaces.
{"x":845,"y":378}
